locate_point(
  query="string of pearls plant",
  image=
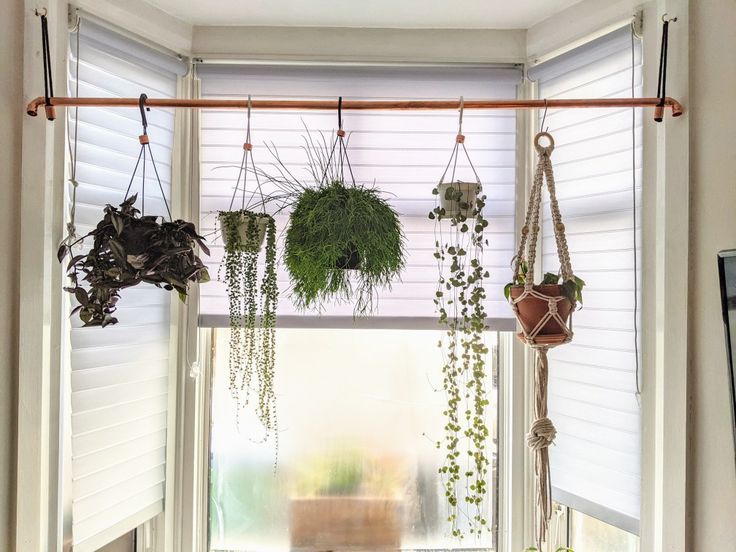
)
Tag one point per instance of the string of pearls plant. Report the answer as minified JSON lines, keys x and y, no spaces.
{"x":252,"y":340}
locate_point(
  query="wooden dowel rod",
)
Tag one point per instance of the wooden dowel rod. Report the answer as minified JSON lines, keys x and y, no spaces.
{"x":358,"y":105}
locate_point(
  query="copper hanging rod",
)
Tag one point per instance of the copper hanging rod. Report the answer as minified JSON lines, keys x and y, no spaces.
{"x":360,"y":105}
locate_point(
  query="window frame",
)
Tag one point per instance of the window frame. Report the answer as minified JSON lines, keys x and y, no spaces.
{"x":39,"y":513}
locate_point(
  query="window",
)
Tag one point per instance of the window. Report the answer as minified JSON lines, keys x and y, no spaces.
{"x":359,"y":408}
{"x":596,"y":460}
{"x":118,"y":377}
{"x":589,"y":533}
{"x":359,"y":414}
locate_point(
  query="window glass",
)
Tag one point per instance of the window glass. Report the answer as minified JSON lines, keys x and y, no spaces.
{"x":360,"y":412}
{"x":590,"y":534}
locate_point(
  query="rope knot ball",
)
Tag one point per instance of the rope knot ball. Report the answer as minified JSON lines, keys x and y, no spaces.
{"x":541,"y":435}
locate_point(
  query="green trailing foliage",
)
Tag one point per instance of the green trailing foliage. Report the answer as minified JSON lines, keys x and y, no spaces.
{"x":459,"y":301}
{"x":333,"y":228}
{"x":252,"y":344}
{"x":344,"y":240}
{"x":128,"y":250}
{"x":572,"y":289}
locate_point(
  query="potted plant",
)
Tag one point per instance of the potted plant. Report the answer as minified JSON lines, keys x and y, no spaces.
{"x":533,"y":308}
{"x":344,"y":239}
{"x":458,"y":197}
{"x":129,"y":249}
{"x":252,"y":353}
{"x":346,"y":499}
{"x":459,"y":300}
{"x":252,"y":306}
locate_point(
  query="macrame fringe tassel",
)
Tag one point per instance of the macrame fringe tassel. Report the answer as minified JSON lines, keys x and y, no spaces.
{"x":541,"y":435}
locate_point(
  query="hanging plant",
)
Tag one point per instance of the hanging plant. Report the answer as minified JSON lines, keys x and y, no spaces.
{"x":459,"y":299}
{"x":544,"y":313}
{"x":252,"y":306}
{"x":127,"y":250}
{"x":344,"y":240}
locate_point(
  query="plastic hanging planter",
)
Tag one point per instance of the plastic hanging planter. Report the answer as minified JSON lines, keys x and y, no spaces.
{"x":249,"y":239}
{"x":458,"y":198}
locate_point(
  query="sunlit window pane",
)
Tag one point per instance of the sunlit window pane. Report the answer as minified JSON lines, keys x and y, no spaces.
{"x":589,"y":533}
{"x":360,"y":412}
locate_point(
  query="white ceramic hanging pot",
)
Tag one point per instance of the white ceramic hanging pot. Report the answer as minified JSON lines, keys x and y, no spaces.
{"x":458,"y":198}
{"x":247,"y":239}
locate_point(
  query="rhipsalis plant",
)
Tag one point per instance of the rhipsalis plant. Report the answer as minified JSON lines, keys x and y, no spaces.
{"x":459,"y":301}
{"x":252,"y":344}
{"x":129,"y":249}
{"x":344,"y":239}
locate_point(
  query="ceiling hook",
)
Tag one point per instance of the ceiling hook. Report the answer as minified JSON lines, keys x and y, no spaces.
{"x":665,"y":20}
{"x":43,"y":12}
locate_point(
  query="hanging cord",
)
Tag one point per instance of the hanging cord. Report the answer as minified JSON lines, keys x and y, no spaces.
{"x":248,"y":152}
{"x":459,"y":142}
{"x":342,"y":151}
{"x":541,"y":435}
{"x":146,"y":146}
{"x":634,"y":219}
{"x":48,"y":78}
{"x":662,"y":77}
{"x":71,"y":228}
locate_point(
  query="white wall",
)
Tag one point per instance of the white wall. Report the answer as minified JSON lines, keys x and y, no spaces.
{"x":11,"y":113}
{"x":711,"y":468}
{"x":348,"y":44}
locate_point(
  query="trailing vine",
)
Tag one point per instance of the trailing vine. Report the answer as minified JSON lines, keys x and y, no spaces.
{"x":252,"y":340}
{"x":459,"y":301}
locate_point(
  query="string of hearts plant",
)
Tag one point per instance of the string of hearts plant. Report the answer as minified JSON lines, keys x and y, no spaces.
{"x":459,"y":299}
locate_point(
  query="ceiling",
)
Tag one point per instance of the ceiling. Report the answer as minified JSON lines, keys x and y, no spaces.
{"x":419,"y":14}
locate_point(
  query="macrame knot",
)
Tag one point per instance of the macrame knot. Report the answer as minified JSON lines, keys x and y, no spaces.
{"x":552,"y":306}
{"x":541,"y":435}
{"x":460,"y":139}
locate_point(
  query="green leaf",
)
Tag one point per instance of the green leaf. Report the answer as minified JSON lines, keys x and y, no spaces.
{"x":81,"y":296}
{"x":507,"y":290}
{"x":61,"y":253}
{"x":550,"y":278}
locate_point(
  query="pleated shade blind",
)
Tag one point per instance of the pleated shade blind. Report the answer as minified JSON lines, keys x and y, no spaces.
{"x":402,"y":152}
{"x":592,"y":401}
{"x":118,"y":374}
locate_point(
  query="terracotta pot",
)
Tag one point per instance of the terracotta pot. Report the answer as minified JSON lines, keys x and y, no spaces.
{"x":532,"y":309}
{"x":261,"y":225}
{"x":453,"y":207}
{"x":341,"y":523}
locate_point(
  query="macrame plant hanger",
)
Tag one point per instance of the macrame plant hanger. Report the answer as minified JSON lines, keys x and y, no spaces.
{"x":542,"y":431}
{"x":146,"y":148}
{"x":252,"y":202}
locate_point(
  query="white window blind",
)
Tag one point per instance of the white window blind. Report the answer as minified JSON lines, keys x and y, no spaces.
{"x":119,"y":373}
{"x":403,"y":153}
{"x":592,"y":390}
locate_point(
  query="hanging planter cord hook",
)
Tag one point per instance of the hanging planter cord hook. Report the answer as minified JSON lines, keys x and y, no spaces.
{"x":145,"y":142}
